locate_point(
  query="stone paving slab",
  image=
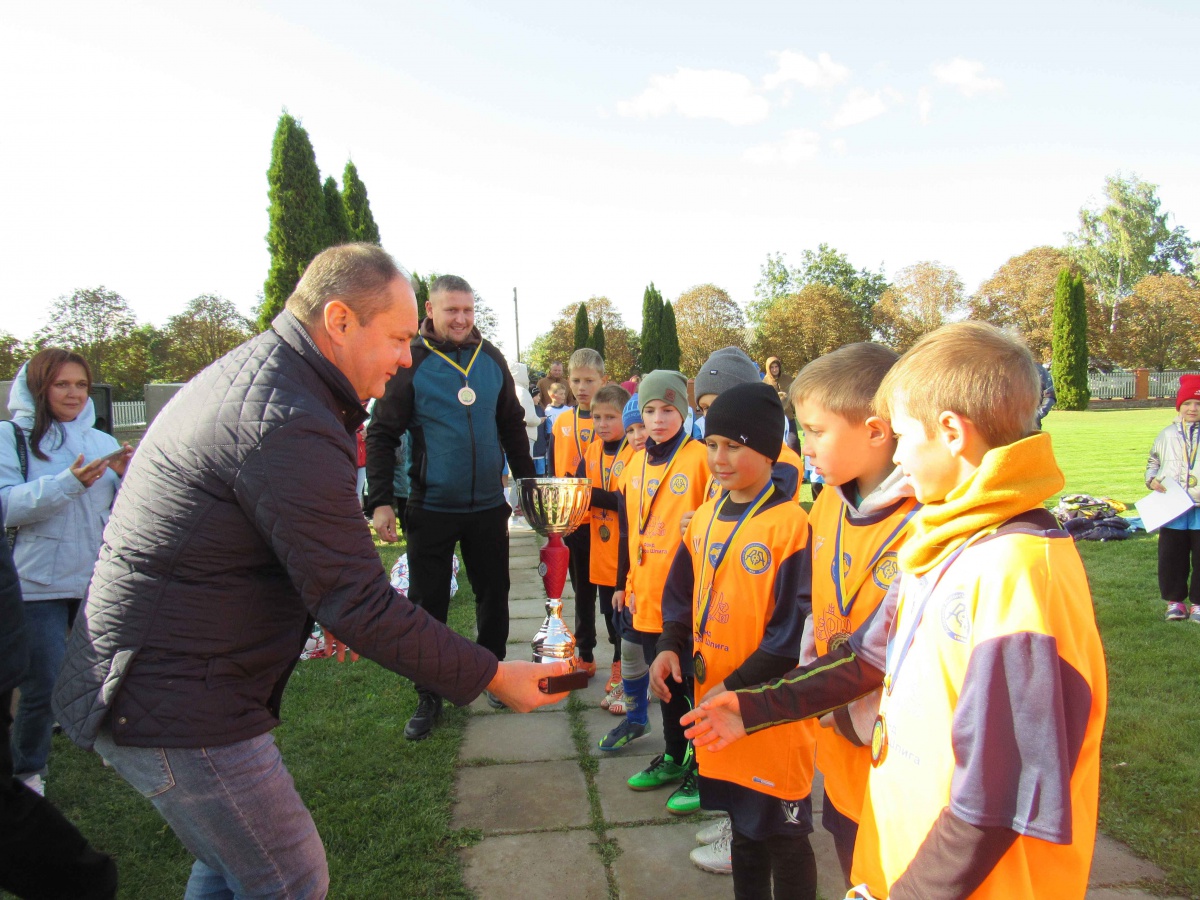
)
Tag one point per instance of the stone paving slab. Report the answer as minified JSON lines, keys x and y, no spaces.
{"x":1114,"y":864}
{"x":621,"y":805}
{"x":516,"y":738}
{"x":649,"y":866}
{"x":518,"y":866}
{"x":600,"y":721}
{"x":1108,"y":893}
{"x":522,"y":797}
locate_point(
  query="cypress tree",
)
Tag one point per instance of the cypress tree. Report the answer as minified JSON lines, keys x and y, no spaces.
{"x":1069,"y":342}
{"x":337,"y":228}
{"x":652,"y":308}
{"x":297,"y":229}
{"x":358,"y":208}
{"x":668,"y":341}
{"x":582,"y":332}
{"x":597,"y":343}
{"x":421,"y":289}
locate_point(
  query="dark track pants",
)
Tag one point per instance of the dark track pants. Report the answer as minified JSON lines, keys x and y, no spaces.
{"x":1179,"y":554}
{"x":484,"y":539}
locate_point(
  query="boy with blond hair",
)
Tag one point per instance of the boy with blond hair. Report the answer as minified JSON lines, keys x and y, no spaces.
{"x":570,"y":438}
{"x":862,"y":521}
{"x":735,"y":603}
{"x":986,"y":747}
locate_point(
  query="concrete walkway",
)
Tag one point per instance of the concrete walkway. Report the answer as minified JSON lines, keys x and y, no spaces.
{"x":558,"y":820}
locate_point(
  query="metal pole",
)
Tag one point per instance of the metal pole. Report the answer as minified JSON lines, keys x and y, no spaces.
{"x":517,"y":323}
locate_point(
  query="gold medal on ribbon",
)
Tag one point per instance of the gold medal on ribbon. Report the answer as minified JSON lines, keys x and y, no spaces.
{"x":700,"y":667}
{"x":879,"y":742}
{"x":605,"y":534}
{"x":641,"y":556}
{"x":1191,"y":481}
{"x":466,"y":396}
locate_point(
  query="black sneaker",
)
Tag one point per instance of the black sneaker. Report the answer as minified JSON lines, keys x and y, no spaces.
{"x":429,"y":710}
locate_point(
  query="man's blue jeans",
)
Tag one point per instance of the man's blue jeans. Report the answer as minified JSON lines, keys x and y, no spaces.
{"x":46,"y":624}
{"x":235,"y":807}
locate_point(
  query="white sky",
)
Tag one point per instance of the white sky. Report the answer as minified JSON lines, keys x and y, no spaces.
{"x":570,"y":149}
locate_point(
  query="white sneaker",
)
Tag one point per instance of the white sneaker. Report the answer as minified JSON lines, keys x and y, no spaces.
{"x":36,"y":783}
{"x":715,"y":857}
{"x":712,"y":832}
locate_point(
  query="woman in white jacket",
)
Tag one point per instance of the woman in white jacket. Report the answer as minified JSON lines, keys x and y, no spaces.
{"x":59,"y":506}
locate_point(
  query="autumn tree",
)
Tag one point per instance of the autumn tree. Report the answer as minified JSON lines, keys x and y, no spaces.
{"x":12,"y":356}
{"x":93,"y":322}
{"x":652,"y":312}
{"x":1020,"y":296}
{"x":1070,"y":364}
{"x":1159,"y":326}
{"x":582,"y":333}
{"x":802,"y":326}
{"x":337,"y":229}
{"x":298,"y":229}
{"x":620,"y":359}
{"x":358,"y":208}
{"x":923,"y":298}
{"x":207,"y":329}
{"x":825,"y":265}
{"x":668,"y":340}
{"x":707,"y":318}
{"x":1126,"y":238}
{"x":776,"y":280}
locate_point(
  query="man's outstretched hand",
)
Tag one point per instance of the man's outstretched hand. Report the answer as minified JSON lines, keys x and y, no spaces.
{"x":716,"y":723}
{"x":516,"y":683}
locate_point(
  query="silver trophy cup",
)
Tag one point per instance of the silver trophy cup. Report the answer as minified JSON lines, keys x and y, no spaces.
{"x":554,"y":507}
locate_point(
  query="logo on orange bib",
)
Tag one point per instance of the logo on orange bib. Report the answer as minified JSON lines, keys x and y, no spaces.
{"x":679,"y":484}
{"x":756,"y":558}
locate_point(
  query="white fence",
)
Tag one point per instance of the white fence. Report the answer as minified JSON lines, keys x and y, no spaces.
{"x":129,"y":413}
{"x":1118,"y":385}
{"x":1121,"y":384}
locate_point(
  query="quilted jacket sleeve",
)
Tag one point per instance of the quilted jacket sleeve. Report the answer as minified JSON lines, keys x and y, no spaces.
{"x":298,"y":489}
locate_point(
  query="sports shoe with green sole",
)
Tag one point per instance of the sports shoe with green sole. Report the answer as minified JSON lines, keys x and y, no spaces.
{"x":663,"y":770}
{"x":686,"y":799}
{"x":625,"y":732}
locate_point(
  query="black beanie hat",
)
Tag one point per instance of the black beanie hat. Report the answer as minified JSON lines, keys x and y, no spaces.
{"x":750,"y":414}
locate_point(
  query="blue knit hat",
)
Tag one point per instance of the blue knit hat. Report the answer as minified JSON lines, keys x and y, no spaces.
{"x":632,"y":413}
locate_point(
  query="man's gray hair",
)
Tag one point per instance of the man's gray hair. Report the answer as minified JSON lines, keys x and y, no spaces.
{"x":448,"y":284}
{"x":356,"y":274}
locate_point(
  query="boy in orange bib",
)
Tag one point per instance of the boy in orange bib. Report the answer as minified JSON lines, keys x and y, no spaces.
{"x":735,"y":603}
{"x":986,"y":748}
{"x":862,"y":521}
{"x":604,"y":465}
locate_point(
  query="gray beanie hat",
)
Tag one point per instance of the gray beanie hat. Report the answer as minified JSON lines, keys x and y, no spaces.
{"x":665,"y":385}
{"x":723,"y":369}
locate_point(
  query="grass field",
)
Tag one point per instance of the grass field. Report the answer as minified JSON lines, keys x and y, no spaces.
{"x":383,"y":805}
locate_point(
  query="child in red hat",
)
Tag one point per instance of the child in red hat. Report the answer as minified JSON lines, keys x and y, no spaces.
{"x":1173,"y":456}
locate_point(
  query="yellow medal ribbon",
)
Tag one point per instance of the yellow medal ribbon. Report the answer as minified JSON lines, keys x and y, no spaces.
{"x":644,"y":518}
{"x":465,"y":372}
{"x":762,"y":498}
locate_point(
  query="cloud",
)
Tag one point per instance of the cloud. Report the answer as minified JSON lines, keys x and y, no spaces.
{"x":965,"y":76}
{"x":924,"y":104}
{"x":699,"y":94}
{"x":820,"y":74}
{"x":798,"y":145}
{"x":838,"y":146}
{"x":860,"y":106}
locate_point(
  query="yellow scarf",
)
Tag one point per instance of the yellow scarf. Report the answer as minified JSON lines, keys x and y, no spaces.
{"x":1009,"y":481}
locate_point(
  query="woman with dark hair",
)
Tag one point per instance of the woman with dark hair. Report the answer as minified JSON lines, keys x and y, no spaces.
{"x":58,"y":479}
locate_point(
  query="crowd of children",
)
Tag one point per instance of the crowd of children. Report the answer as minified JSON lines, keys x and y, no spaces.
{"x":923,"y":635}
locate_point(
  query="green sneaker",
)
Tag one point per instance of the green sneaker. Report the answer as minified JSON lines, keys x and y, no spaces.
{"x":625,"y":732}
{"x":663,"y":770}
{"x":686,"y":799}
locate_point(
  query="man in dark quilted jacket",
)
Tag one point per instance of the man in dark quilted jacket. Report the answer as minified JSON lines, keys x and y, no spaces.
{"x":238,"y":524}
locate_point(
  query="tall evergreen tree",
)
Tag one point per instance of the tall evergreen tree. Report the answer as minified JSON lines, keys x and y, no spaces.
{"x":652,"y":311}
{"x":358,"y":208}
{"x":597,"y":343}
{"x":668,"y":341}
{"x":297,"y":215}
{"x":421,"y":289}
{"x":582,"y":332}
{"x":337,"y":228}
{"x":1069,"y":342}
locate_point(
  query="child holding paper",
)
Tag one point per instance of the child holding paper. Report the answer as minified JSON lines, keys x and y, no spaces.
{"x":1173,"y":456}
